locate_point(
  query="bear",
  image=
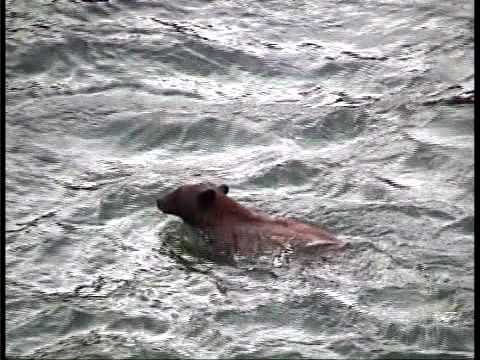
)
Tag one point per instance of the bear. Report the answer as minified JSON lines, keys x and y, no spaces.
{"x":231,"y":228}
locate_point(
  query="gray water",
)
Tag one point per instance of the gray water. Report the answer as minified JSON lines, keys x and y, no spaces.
{"x":353,"y":115}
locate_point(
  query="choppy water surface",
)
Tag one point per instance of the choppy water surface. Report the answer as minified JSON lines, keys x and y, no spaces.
{"x":357,"y":115}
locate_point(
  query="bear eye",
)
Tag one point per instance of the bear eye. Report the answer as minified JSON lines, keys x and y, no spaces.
{"x":206,"y":198}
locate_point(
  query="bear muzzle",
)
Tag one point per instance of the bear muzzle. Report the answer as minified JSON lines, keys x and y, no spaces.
{"x":161,"y":205}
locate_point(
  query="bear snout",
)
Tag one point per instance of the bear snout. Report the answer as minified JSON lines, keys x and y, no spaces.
{"x":160,"y":204}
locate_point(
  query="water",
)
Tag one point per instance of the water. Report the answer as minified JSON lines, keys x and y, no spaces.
{"x":344,"y":114}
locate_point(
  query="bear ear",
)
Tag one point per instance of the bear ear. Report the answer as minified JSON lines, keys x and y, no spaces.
{"x":206,"y":198}
{"x":223,"y":188}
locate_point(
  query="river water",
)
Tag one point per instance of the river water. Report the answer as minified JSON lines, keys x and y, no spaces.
{"x":353,"y":115}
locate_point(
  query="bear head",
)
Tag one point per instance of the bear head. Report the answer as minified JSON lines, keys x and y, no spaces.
{"x":192,"y":202}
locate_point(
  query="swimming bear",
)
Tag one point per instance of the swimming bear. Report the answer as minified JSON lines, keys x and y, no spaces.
{"x":232,"y":228}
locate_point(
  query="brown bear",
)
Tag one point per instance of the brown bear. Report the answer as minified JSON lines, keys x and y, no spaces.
{"x":232,"y":228}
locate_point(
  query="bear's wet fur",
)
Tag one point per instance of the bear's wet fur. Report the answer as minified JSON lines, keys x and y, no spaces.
{"x":231,"y":228}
